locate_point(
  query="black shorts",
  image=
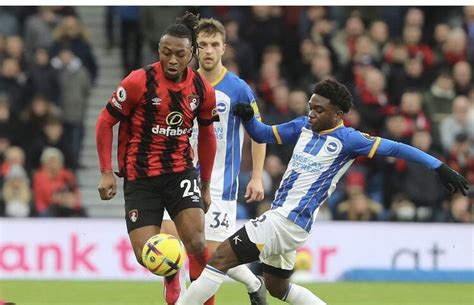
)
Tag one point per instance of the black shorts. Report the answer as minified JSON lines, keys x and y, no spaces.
{"x":146,"y":198}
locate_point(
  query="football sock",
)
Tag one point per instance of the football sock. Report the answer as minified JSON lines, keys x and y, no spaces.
{"x":182,"y":280}
{"x":197,"y":262}
{"x":204,"y":287}
{"x":243,"y":274}
{"x":298,"y":295}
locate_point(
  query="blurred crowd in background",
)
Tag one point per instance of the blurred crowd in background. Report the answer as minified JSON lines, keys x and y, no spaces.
{"x":408,"y":68}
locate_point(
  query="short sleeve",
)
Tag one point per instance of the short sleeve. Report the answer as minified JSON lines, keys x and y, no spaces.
{"x":288,"y":133}
{"x":207,"y":112}
{"x":125,"y":98}
{"x":359,"y":143}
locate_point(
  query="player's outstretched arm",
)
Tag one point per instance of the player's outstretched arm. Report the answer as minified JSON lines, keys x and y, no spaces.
{"x":261,"y":133}
{"x":451,"y":179}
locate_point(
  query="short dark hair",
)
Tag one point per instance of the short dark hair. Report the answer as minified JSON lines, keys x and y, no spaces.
{"x":337,"y":93}
{"x":184,"y":28}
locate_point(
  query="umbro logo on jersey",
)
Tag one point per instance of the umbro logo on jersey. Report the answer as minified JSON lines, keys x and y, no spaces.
{"x":156,"y":101}
{"x":195,"y":198}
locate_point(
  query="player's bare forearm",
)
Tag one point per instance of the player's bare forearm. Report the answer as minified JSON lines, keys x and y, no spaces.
{"x":258,"y":159}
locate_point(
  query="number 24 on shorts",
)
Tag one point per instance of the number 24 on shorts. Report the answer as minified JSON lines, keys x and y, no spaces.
{"x":187,"y":185}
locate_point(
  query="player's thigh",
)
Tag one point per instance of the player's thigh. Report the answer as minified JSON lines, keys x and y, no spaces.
{"x":220,"y":220}
{"x":139,"y":237}
{"x":143,"y":205}
{"x":277,"y":238}
{"x":190,"y":226}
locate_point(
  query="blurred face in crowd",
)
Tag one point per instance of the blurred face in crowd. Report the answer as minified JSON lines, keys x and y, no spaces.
{"x":274,"y":166}
{"x":460,"y":110}
{"x":414,"y":67}
{"x":444,"y":82}
{"x":456,"y":41}
{"x":422,"y":140}
{"x":298,"y":102}
{"x":212,"y":48}
{"x":272,"y":54}
{"x":54,"y":164}
{"x":411,"y":103}
{"x":66,"y":56}
{"x":415,"y":17}
{"x":4,"y":109}
{"x":441,"y":32}
{"x":280,"y":97}
{"x":53,"y":131}
{"x":323,"y":115}
{"x":307,"y":50}
{"x":354,"y":26}
{"x":15,"y":155}
{"x":232,"y":30}
{"x":41,"y":57}
{"x":469,"y":13}
{"x":10,"y":68}
{"x":39,"y":106}
{"x":396,"y":126}
{"x":411,"y":35}
{"x":321,"y":66}
{"x":462,"y":73}
{"x":379,"y":31}
{"x":175,"y":54}
{"x":15,"y":47}
{"x":71,"y":27}
{"x":375,"y":81}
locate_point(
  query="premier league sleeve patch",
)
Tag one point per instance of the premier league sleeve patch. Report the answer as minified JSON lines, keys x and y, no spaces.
{"x":121,"y":94}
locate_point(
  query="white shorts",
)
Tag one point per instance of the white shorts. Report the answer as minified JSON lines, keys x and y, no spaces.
{"x":277,"y":239}
{"x":219,"y":220}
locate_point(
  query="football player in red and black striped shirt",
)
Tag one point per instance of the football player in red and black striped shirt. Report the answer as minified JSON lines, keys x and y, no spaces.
{"x":156,"y":107}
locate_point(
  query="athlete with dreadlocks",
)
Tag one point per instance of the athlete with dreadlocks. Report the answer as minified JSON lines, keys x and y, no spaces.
{"x":156,"y":107}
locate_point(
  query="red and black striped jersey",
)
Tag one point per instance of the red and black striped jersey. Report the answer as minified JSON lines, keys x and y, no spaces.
{"x":156,"y":119}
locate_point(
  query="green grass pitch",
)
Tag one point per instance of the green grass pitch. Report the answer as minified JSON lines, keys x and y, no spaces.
{"x":149,"y":293}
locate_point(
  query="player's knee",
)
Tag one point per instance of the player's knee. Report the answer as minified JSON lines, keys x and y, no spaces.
{"x":195,"y":244}
{"x":220,"y":261}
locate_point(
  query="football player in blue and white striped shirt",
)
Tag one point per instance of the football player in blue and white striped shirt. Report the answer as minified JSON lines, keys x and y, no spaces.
{"x":324,"y":150}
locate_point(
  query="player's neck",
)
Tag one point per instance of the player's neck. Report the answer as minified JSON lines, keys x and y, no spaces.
{"x":214,"y":74}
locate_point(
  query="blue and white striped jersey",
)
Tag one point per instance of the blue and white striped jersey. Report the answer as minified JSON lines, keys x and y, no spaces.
{"x":230,"y":90}
{"x":319,"y":160}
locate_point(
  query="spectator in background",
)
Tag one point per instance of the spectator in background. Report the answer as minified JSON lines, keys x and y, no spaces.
{"x":55,"y":190}
{"x":9,"y":123}
{"x":438,"y":101}
{"x":401,"y":209}
{"x":455,"y":47}
{"x":131,"y":40}
{"x":44,"y":78}
{"x":469,"y":28}
{"x":379,"y":33}
{"x":52,"y":135}
{"x":461,"y":120}
{"x":75,"y":85}
{"x":461,"y":157}
{"x":423,"y":189}
{"x":357,"y":206}
{"x":344,"y":40}
{"x":14,"y":48}
{"x":440,"y":35}
{"x":39,"y":29}
{"x":13,"y":83}
{"x":34,"y":118}
{"x":9,"y":23}
{"x":458,"y":210}
{"x":298,"y":103}
{"x":70,"y":34}
{"x":412,"y":37}
{"x":244,"y":54}
{"x":321,"y":68}
{"x":412,"y":111}
{"x":16,"y":192}
{"x":153,"y":20}
{"x":462,"y":75}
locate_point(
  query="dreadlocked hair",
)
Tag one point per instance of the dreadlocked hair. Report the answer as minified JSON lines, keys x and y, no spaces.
{"x":184,"y":28}
{"x":337,"y":93}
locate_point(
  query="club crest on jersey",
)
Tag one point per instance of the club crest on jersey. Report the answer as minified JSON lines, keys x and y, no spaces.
{"x":133,"y":215}
{"x":121,"y":94}
{"x":332,"y":147}
{"x":193,"y":101}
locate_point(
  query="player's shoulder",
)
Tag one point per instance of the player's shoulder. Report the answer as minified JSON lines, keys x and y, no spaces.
{"x":232,"y":80}
{"x":137,"y":76}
